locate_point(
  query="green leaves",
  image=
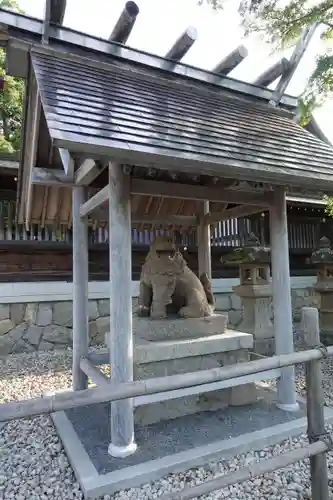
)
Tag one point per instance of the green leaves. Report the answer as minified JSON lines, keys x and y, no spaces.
{"x":319,"y":88}
{"x":11,"y":100}
{"x":10,"y":5}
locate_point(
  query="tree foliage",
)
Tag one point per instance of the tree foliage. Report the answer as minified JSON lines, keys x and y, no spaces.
{"x":11,"y":100}
{"x":281,"y":24}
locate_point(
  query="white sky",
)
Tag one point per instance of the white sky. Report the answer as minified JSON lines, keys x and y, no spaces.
{"x":160,"y":22}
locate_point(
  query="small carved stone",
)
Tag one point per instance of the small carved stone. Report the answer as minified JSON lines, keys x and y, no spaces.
{"x":167,"y":285}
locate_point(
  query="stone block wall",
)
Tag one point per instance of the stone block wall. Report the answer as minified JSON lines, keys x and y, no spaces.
{"x":47,"y":325}
{"x":32,"y":326}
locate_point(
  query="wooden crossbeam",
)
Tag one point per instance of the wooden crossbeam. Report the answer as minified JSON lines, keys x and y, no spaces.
{"x":94,"y":373}
{"x":50,"y":177}
{"x":195,"y":192}
{"x":233,"y":213}
{"x":168,"y":220}
{"x":56,"y":177}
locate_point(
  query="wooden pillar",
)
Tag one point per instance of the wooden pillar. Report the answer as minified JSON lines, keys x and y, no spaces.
{"x":80,"y":289}
{"x":121,"y":337}
{"x":203,"y":243}
{"x":283,"y":326}
{"x":315,"y":403}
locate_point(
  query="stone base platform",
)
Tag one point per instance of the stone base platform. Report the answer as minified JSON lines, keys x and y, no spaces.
{"x":173,"y":446}
{"x":164,"y":358}
{"x":179,"y":328}
{"x":175,"y":355}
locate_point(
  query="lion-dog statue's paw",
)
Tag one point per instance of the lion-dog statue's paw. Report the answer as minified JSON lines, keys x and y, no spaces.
{"x":143,"y":312}
{"x":158,"y":314}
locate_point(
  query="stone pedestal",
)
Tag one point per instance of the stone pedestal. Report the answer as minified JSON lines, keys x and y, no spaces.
{"x":257,"y":307}
{"x":322,"y":257}
{"x":255,"y":291}
{"x":187,"y":345}
{"x":178,"y":328}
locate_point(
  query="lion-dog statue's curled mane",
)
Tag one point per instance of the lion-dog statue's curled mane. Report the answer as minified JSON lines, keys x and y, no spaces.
{"x":168,"y":286}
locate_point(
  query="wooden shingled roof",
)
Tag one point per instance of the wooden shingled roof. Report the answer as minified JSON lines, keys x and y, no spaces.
{"x":142,"y":118}
{"x":92,"y":99}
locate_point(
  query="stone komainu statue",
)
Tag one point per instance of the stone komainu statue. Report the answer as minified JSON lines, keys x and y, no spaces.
{"x":167,"y":285}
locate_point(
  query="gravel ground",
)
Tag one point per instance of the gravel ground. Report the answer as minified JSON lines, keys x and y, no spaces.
{"x":34,"y":466}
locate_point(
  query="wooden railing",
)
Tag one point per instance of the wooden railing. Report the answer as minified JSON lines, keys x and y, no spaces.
{"x":303,"y":232}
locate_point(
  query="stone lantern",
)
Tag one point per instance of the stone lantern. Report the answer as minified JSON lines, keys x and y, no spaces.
{"x":255,"y":291}
{"x":322,"y":258}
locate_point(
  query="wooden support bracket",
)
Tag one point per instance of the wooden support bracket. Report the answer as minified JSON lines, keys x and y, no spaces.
{"x":88,"y":171}
{"x":95,"y":201}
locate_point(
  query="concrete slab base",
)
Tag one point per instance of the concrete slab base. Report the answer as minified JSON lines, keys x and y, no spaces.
{"x":99,"y":475}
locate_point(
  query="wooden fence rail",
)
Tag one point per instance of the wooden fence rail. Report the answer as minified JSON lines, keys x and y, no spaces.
{"x":319,"y":440}
{"x":116,"y":392}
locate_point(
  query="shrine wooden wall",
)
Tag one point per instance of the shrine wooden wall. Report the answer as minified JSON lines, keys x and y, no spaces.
{"x":21,"y":261}
{"x":46,"y":254}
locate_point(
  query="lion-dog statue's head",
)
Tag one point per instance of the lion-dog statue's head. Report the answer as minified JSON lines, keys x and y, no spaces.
{"x":164,"y":258}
